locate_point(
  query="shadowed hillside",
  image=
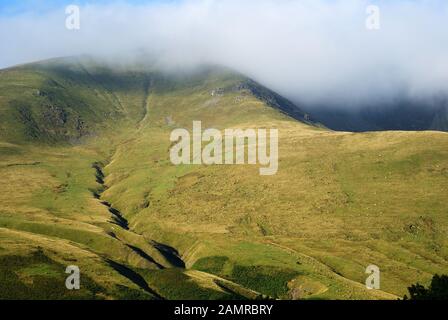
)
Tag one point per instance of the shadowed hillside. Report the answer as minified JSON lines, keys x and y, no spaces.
{"x":403,"y":114}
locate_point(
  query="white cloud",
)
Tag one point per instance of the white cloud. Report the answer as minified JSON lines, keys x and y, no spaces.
{"x":316,"y":51}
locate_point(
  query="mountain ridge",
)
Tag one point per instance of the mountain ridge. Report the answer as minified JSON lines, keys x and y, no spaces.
{"x":44,"y":110}
{"x":403,"y":114}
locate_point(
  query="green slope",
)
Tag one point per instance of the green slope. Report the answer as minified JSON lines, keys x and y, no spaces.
{"x":84,"y":157}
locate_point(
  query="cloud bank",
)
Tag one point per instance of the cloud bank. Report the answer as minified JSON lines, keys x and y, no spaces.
{"x":312,"y":51}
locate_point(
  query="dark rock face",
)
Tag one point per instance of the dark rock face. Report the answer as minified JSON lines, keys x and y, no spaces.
{"x":26,"y":117}
{"x":272,"y":99}
{"x":50,"y":122}
{"x":55,"y":115}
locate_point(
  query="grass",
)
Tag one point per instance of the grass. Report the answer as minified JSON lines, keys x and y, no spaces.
{"x":271,"y":281}
{"x":40,"y":278}
{"x":339,"y":202}
{"x":173,"y":284}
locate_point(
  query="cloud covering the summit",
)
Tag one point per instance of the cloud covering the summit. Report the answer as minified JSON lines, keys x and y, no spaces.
{"x":313,"y":51}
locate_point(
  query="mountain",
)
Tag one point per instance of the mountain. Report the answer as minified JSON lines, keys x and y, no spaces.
{"x":87,"y":181}
{"x":69,"y":99}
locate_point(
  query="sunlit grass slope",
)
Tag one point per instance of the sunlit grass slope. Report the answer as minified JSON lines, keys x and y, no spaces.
{"x":87,"y":181}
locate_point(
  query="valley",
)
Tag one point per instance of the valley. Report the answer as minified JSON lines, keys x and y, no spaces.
{"x":87,"y":180}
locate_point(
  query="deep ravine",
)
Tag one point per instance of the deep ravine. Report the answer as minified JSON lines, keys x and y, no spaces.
{"x":117,"y":218}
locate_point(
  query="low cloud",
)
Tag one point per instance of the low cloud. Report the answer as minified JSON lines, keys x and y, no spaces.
{"x":312,"y":51}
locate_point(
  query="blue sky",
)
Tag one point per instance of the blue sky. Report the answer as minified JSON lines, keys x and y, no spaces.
{"x":13,"y":7}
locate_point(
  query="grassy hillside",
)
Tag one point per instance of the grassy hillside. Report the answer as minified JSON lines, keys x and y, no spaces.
{"x":87,"y":181}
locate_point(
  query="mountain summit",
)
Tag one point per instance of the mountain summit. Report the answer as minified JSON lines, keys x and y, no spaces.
{"x":68,"y":99}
